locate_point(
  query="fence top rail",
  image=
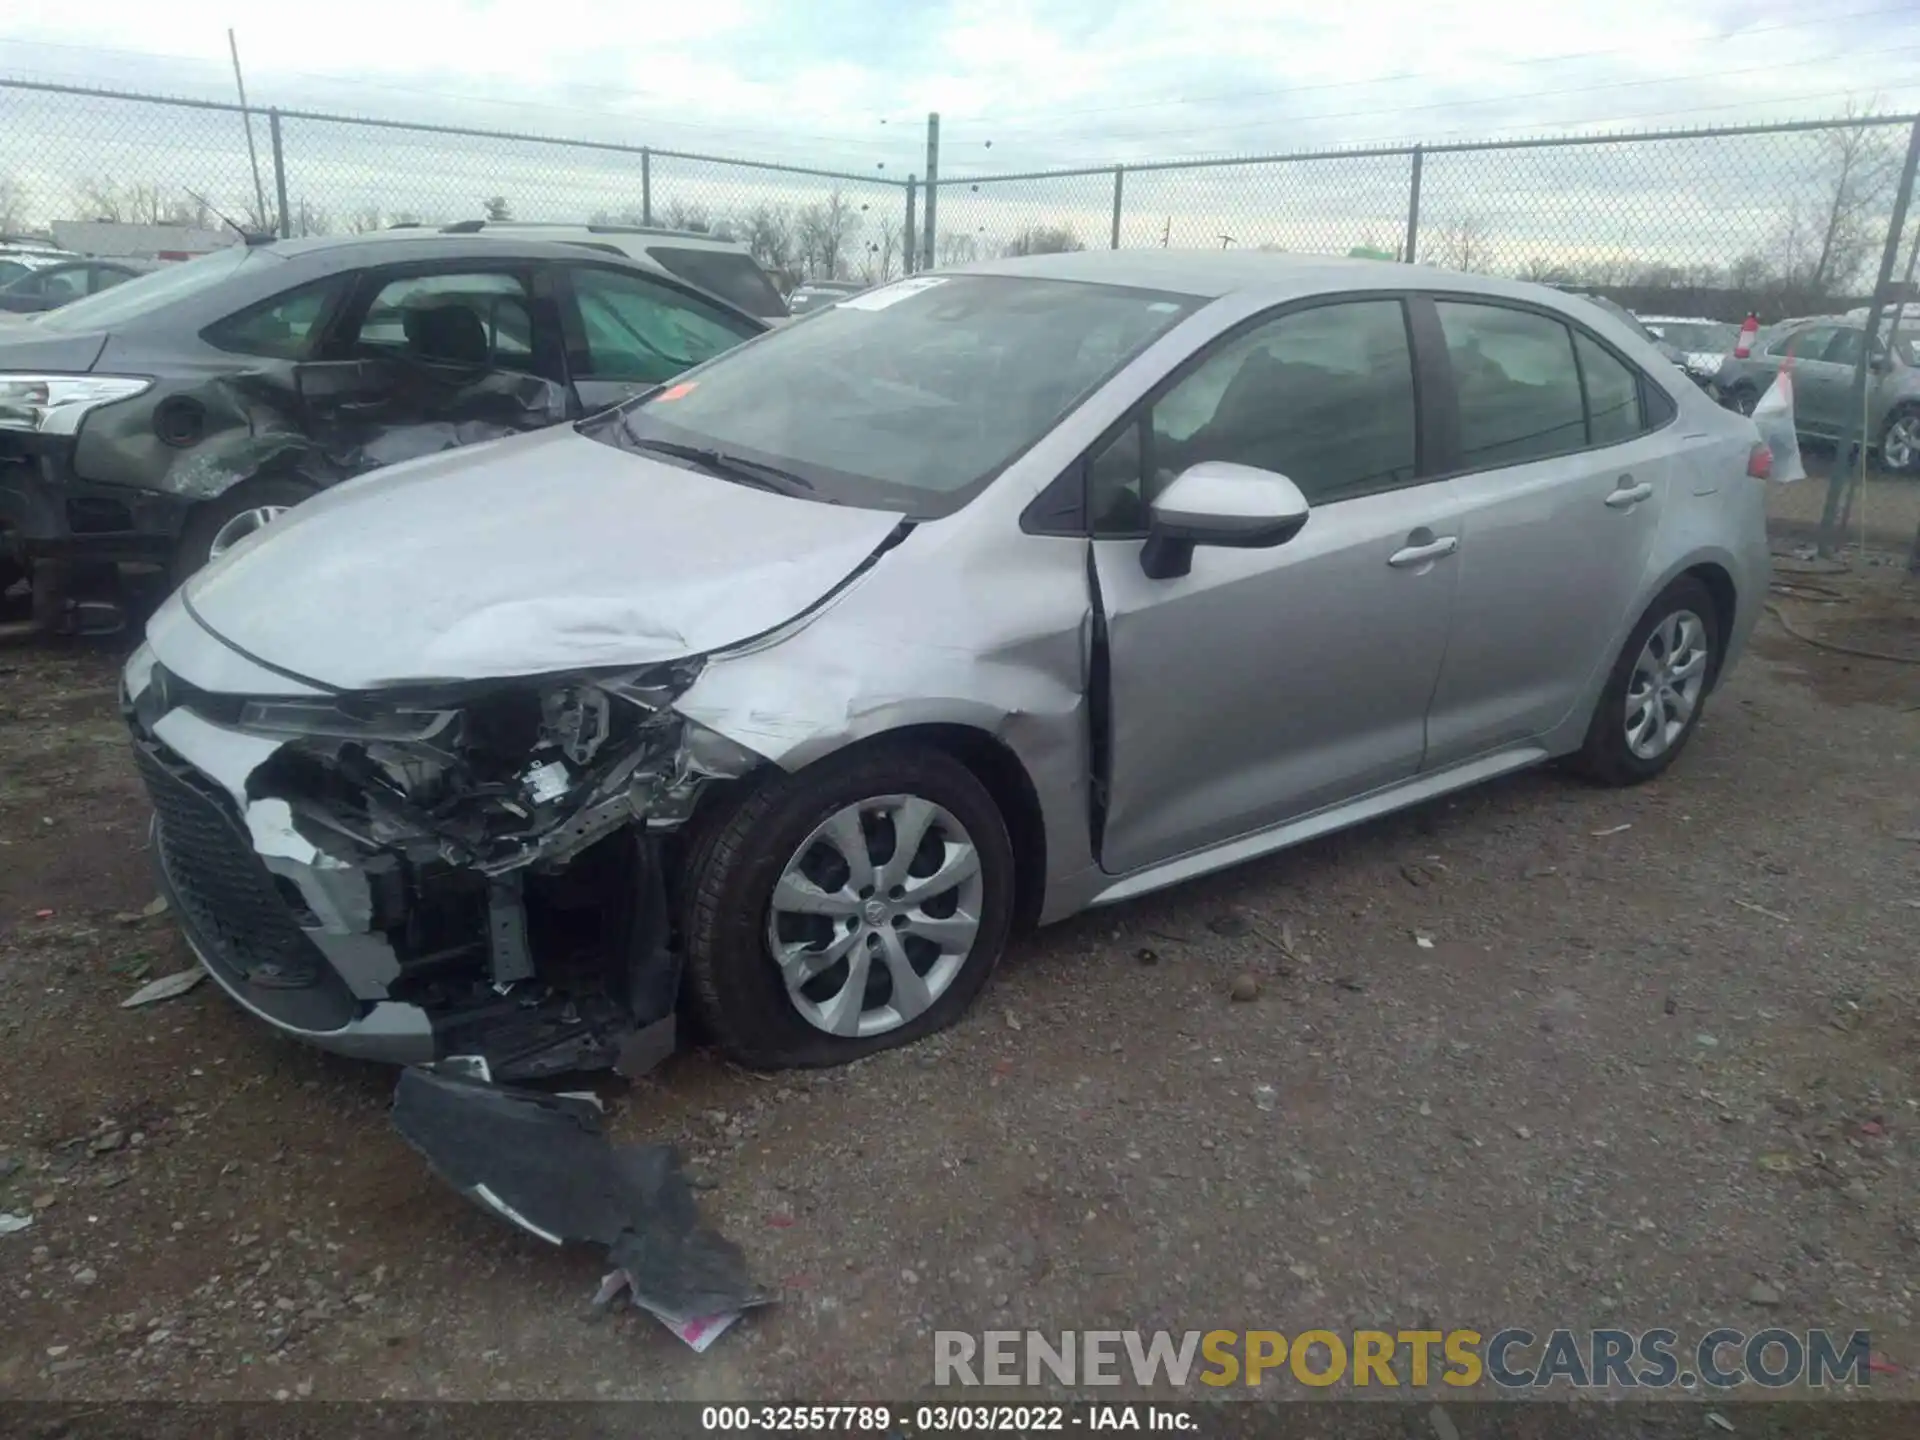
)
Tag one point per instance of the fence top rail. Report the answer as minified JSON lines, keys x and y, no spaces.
{"x":612,"y":146}
{"x":1457,"y":147}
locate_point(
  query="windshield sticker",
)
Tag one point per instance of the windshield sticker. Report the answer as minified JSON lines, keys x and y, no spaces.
{"x":891,"y":294}
{"x":1163,"y":307}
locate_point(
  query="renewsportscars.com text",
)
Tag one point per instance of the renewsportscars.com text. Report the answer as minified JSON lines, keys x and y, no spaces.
{"x":1510,"y":1359}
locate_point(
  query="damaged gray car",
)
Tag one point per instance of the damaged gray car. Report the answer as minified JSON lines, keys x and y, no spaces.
{"x":785,"y":693}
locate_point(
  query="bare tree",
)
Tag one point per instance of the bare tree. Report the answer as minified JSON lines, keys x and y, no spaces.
{"x":310,"y":219}
{"x":1825,"y":245}
{"x":497,"y":207}
{"x":958,"y":248}
{"x":14,"y":208}
{"x":882,"y":253}
{"x":626,"y":215}
{"x":1044,"y":240}
{"x":686,"y":215}
{"x":769,"y":235}
{"x":1463,"y":244}
{"x":1542,"y":271}
{"x":364,"y":221}
{"x":823,"y":230}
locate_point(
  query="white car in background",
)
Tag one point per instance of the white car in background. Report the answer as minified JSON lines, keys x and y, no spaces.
{"x":1703,"y":343}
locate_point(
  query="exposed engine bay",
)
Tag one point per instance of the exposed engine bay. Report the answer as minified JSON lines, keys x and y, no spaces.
{"x":491,"y":861}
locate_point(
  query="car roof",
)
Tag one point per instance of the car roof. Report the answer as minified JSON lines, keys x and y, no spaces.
{"x":1210,"y":274}
{"x":1685,"y":320}
{"x":381,"y":247}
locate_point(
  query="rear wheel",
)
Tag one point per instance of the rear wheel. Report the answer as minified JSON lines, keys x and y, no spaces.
{"x":1743,"y":398}
{"x":220,"y":524}
{"x":857,"y":905}
{"x":1653,"y":699}
{"x":1900,"y":441}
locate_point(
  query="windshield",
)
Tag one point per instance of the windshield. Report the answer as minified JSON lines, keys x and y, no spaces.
{"x":1698,"y":335}
{"x":733,"y":276}
{"x":911,"y":397}
{"x":147,"y":293}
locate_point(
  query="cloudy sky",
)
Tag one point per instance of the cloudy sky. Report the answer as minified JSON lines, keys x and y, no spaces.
{"x":1020,"y":85}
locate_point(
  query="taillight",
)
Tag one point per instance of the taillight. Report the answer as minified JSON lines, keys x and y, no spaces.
{"x":1760,"y":462}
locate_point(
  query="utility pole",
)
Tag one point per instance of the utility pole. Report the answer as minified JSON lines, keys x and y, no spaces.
{"x":927,"y":226}
{"x":246,"y":116}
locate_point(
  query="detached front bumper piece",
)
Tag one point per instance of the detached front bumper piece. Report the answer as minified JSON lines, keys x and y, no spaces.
{"x":382,"y":900}
{"x":543,"y":1162}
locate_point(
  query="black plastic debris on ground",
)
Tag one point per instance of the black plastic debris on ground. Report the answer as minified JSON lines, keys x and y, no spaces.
{"x":544,"y":1163}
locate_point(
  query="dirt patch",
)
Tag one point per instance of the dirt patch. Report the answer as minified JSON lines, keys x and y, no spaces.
{"x":1660,"y":1052}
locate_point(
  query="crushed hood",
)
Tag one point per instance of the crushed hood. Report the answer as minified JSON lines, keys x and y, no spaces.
{"x":539,"y":553}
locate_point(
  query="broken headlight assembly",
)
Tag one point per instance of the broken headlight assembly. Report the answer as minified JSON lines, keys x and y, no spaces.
{"x":503,"y":776}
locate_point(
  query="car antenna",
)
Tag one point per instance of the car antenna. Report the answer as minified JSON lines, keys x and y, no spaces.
{"x":234,"y":225}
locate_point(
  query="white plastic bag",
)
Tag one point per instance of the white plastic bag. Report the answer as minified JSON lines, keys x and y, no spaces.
{"x":1774,"y":415}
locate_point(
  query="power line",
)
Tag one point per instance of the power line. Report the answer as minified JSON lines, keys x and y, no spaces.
{"x":1740,"y":33}
{"x":904,"y":146}
{"x":1397,"y":144}
{"x":1298,"y":120}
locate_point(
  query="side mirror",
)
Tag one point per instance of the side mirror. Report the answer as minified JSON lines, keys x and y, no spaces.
{"x":1219,"y":503}
{"x":1880,"y":364}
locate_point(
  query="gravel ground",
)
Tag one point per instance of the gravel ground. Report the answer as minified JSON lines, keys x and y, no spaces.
{"x":1657,"y":1067}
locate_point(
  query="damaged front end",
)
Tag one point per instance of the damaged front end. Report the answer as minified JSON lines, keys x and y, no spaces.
{"x":479,"y":869}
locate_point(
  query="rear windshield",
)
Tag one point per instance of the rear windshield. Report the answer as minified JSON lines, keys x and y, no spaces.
{"x":732,"y":276}
{"x":146,"y":293}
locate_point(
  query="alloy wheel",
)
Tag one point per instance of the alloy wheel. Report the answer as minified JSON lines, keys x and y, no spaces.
{"x":1900,"y":448}
{"x":241,"y":526}
{"x":1664,"y":690}
{"x":875,"y":914}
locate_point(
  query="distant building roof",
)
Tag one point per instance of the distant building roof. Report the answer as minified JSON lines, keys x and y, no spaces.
{"x":142,"y":242}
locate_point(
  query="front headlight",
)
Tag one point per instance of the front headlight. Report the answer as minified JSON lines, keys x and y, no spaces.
{"x":343,"y":720}
{"x":56,"y":404}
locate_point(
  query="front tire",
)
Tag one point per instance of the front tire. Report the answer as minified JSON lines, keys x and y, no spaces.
{"x":224,"y":521}
{"x":1653,"y":698}
{"x":859,"y":904}
{"x":1900,"y":441}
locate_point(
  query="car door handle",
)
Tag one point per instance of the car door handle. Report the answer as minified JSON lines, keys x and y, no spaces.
{"x":1420,"y":554}
{"x":1628,"y":496}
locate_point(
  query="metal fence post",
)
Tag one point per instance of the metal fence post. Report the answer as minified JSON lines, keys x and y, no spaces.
{"x":646,"y":186}
{"x":1413,"y":209}
{"x":1119,"y":183}
{"x":279,"y":173}
{"x":928,"y":242}
{"x":1853,"y":432}
{"x":910,"y":257}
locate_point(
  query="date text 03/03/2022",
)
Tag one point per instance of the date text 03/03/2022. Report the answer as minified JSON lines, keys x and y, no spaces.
{"x":943,"y":1418}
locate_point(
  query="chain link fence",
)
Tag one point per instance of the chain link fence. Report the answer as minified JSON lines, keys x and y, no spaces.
{"x":68,"y":153}
{"x":1781,"y":218}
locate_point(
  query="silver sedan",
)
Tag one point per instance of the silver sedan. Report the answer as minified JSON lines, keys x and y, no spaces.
{"x":789,"y":690}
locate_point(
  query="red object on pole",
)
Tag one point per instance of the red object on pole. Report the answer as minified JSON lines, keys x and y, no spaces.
{"x":1749,"y":330}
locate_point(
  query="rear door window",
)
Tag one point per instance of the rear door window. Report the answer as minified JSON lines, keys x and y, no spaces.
{"x":731,"y":274}
{"x":1518,"y":386}
{"x":480,"y":318}
{"x":1808,"y":343}
{"x":642,"y":332}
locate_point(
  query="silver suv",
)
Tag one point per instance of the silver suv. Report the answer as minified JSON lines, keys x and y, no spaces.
{"x":1822,"y":355}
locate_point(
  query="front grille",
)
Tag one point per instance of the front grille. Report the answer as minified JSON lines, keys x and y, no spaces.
{"x":227,"y":896}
